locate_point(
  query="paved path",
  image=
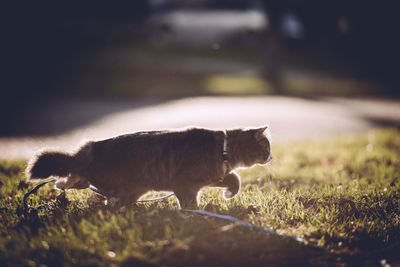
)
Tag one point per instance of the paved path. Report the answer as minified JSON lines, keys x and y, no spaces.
{"x":289,"y":119}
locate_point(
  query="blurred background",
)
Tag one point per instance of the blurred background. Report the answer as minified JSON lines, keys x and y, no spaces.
{"x":70,"y":63}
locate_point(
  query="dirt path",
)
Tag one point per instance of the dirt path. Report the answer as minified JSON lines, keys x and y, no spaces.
{"x":289,"y":119}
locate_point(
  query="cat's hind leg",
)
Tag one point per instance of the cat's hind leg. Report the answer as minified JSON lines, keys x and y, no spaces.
{"x":72,"y":181}
{"x":231,"y":182}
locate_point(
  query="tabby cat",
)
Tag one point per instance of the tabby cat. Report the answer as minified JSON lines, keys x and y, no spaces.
{"x":182,"y":161}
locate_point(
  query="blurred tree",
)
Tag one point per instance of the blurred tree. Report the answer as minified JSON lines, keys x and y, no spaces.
{"x":363,"y":32}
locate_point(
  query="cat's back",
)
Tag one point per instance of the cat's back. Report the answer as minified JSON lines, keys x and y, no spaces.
{"x":128,"y":140}
{"x":140,"y":142}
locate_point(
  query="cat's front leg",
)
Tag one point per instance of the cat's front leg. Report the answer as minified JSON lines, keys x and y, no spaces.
{"x":231,"y":182}
{"x":188,"y":198}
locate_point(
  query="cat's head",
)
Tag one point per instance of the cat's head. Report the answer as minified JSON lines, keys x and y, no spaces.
{"x":253,"y":146}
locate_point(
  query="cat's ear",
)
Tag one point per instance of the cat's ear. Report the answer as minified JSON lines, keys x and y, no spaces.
{"x":260,"y":133}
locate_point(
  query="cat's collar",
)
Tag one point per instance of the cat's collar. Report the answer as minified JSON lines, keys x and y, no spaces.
{"x":227,"y":167}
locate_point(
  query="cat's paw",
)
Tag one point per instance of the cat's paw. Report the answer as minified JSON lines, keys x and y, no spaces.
{"x":95,"y":200}
{"x":61,"y":184}
{"x":228,"y":194}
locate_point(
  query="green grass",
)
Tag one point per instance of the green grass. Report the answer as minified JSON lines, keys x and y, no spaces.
{"x":342,"y":194}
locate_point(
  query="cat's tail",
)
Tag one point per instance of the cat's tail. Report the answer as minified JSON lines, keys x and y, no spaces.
{"x":232,"y":183}
{"x":48,"y":163}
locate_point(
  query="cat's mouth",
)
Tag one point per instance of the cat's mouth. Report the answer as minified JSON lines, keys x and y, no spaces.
{"x":267,"y":160}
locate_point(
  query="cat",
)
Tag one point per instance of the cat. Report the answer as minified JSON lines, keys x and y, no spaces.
{"x":182,"y":161}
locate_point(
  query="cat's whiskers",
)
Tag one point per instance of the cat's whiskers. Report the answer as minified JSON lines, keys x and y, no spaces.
{"x":267,"y":164}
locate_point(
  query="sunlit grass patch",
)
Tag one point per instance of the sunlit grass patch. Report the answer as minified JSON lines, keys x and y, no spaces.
{"x":237,"y":84}
{"x":342,"y":194}
{"x":325,"y":85}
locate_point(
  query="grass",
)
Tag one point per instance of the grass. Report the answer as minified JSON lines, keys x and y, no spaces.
{"x":342,"y":194}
